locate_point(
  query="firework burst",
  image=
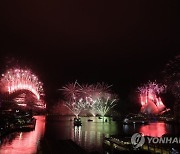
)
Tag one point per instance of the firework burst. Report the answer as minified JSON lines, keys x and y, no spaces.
{"x":19,"y":79}
{"x":96,"y":98}
{"x":149,"y":97}
{"x":71,"y":91}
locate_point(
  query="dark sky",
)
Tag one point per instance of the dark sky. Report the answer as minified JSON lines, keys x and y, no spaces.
{"x":120,"y":42}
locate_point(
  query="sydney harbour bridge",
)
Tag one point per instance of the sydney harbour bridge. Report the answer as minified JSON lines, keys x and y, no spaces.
{"x":21,"y":88}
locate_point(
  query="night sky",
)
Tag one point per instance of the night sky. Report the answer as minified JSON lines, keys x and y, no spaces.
{"x":124,"y":43}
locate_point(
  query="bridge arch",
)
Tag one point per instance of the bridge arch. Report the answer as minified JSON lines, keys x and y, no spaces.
{"x":14,"y":80}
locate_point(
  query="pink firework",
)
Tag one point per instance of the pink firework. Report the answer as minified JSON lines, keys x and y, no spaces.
{"x":150,"y":99}
{"x":19,"y":79}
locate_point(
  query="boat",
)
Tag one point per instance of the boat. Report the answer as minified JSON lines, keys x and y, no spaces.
{"x":77,"y":122}
{"x":28,"y":125}
{"x":89,"y":120}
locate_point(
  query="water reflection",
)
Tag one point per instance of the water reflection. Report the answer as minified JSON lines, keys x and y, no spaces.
{"x":77,"y":134}
{"x":154,"y":129}
{"x":129,"y":129}
{"x":24,"y":142}
{"x":89,"y":136}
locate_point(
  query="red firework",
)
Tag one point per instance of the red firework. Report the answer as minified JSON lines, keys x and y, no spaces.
{"x":150,"y":99}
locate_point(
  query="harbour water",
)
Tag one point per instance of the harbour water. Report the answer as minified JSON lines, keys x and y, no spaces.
{"x":89,"y":136}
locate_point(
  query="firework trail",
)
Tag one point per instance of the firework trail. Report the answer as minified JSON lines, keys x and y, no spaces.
{"x":104,"y":105}
{"x":96,"y":98}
